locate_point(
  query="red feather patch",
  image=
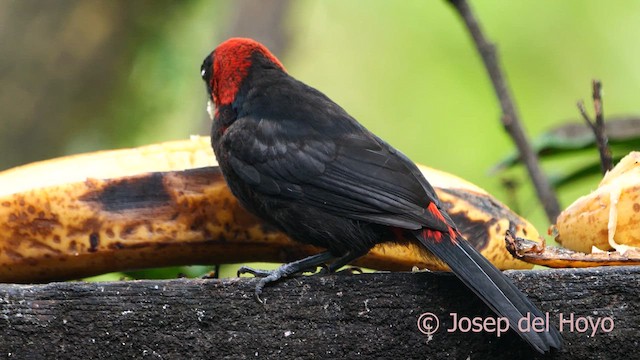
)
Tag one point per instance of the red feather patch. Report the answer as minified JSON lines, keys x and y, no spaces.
{"x":437,"y":235}
{"x":231,"y":62}
{"x":432,"y":234}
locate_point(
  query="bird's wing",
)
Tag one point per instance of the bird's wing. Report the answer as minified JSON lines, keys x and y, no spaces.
{"x":344,"y":169}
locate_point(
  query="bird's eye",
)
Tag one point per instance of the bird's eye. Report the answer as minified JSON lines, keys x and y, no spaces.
{"x":206,"y":69}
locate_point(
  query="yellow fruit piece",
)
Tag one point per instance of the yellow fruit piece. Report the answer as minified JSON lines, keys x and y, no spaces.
{"x":591,"y":221}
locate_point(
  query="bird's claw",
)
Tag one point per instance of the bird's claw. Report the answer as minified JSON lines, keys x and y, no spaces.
{"x":258,"y":291}
{"x":255,"y":272}
{"x":266,"y":277}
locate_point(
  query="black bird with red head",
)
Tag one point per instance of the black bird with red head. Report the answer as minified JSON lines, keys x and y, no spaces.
{"x":300,"y":162}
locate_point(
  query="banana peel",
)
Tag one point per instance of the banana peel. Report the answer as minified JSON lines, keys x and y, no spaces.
{"x":558,"y":257}
{"x":167,"y":204}
{"x":607,"y":218}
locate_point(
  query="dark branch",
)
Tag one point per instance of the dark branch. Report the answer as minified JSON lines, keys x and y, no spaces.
{"x":597,"y":126}
{"x":510,"y":119}
{"x":601,"y":135}
{"x":597,"y":102}
{"x":585,"y":116}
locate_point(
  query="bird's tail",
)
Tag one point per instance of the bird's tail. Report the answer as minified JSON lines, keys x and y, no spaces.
{"x":491,"y":285}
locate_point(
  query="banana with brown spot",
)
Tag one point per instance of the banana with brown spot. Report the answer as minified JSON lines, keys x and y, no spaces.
{"x":167,"y":204}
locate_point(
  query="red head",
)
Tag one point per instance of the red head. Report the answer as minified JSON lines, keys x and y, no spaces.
{"x":228,"y":65}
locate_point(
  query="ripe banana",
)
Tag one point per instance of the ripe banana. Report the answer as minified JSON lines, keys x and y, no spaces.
{"x":167,"y":204}
{"x":609,"y":217}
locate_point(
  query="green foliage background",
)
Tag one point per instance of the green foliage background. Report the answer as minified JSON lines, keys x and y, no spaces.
{"x":409,"y":72}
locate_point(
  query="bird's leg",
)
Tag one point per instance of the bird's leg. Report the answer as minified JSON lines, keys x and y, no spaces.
{"x":286,"y":270}
{"x":342,"y":261}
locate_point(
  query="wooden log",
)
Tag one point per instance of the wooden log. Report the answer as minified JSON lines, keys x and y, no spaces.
{"x":334,"y":316}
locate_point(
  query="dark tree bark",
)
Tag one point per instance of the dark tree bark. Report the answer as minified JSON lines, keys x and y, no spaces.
{"x":352,"y":316}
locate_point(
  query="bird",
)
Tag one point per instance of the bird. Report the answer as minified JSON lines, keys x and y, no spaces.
{"x":301,"y":163}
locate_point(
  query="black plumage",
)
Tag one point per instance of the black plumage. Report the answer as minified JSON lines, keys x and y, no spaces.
{"x":300,"y":162}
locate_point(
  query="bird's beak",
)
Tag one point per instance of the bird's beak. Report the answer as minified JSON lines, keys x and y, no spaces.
{"x":211,"y":108}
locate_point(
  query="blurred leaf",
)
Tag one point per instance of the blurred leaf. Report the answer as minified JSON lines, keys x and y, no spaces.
{"x":114,"y":276}
{"x":561,"y":179}
{"x":623,"y":133}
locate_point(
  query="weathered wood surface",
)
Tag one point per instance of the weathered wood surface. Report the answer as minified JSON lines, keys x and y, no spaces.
{"x":336,"y":316}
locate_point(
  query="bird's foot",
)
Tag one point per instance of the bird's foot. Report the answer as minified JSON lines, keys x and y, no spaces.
{"x":284,"y":271}
{"x":266,"y":277}
{"x":255,"y":272}
{"x":342,"y":261}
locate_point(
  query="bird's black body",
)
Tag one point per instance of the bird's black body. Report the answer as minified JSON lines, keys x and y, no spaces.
{"x":297,"y":160}
{"x":308,"y":175}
